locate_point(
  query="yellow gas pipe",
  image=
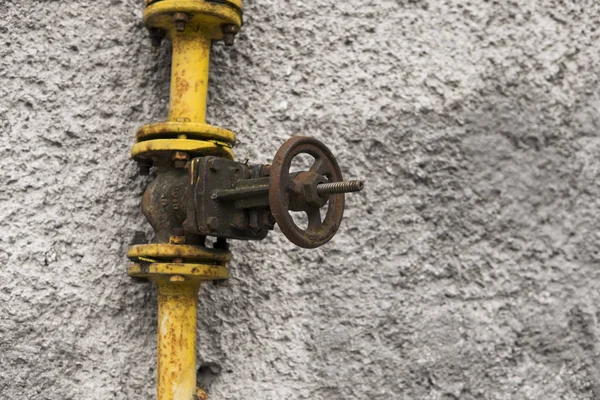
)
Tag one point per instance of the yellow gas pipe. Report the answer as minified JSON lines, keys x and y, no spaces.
{"x":177,"y":339}
{"x":189,"y":77}
{"x":178,"y":268}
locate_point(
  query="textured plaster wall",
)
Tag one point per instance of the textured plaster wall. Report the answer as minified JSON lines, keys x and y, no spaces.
{"x":468,"y":269}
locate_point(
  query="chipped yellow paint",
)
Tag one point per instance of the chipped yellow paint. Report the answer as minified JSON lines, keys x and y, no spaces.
{"x":177,"y":307}
{"x":189,"y":76}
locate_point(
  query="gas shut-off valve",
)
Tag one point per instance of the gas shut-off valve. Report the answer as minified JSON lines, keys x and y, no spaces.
{"x":215,"y":196}
{"x":199,"y":190}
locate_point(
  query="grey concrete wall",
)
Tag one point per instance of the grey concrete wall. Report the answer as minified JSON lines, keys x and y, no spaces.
{"x":468,"y":269}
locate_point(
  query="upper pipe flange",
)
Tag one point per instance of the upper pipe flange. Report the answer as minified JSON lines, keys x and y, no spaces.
{"x":192,"y":130}
{"x":208,"y":15}
{"x":163,"y":139}
{"x":166,"y":148}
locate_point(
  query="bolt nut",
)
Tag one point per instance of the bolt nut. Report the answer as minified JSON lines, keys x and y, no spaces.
{"x":229,"y":32}
{"x":213,"y":164}
{"x":200,"y":394}
{"x":181,"y":155}
{"x":180,"y":20}
{"x":212,"y":223}
{"x":309,"y":183}
{"x":176,"y":239}
{"x":180,"y":158}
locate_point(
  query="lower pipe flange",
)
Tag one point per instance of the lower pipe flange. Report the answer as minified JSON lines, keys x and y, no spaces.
{"x":210,"y":14}
{"x":179,"y":272}
{"x":178,"y":263}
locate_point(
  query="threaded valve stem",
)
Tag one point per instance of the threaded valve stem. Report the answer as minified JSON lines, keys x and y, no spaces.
{"x":339,"y":187}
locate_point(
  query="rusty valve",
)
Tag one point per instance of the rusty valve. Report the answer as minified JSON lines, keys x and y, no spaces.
{"x":213,"y":196}
{"x":308,"y":191}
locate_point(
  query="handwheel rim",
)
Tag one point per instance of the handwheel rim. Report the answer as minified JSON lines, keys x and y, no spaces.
{"x":280,"y":187}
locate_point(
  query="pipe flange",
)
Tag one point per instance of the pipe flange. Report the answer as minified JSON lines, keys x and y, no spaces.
{"x":208,"y":15}
{"x":179,"y":272}
{"x":192,"y":130}
{"x":165,"y":148}
{"x":164,"y":252}
{"x":163,"y":261}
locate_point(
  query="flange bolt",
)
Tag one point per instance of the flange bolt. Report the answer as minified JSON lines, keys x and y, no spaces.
{"x":180,"y":20}
{"x":229,"y":32}
{"x":339,"y":187}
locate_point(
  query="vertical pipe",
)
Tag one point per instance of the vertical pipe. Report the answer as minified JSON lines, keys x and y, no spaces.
{"x":189,"y":76}
{"x":191,"y":26}
{"x":176,"y":372}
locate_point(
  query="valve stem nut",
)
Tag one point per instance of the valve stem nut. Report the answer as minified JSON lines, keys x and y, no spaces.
{"x":180,"y":20}
{"x":229,"y":32}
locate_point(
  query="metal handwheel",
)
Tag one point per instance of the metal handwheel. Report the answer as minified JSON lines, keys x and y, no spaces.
{"x":300,"y":192}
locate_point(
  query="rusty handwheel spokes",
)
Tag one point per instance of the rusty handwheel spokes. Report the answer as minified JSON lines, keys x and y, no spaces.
{"x":298,"y":192}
